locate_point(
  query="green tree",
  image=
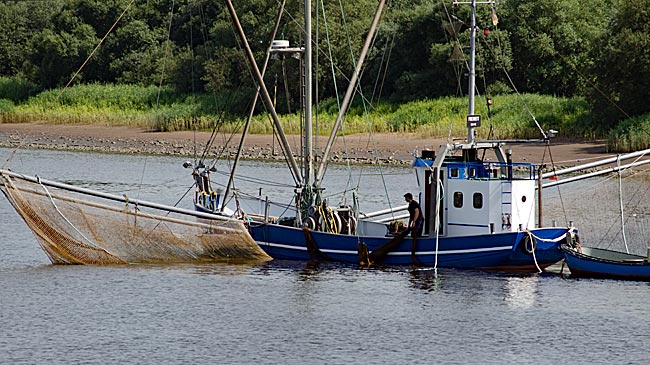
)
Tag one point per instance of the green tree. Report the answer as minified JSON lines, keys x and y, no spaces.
{"x":404,"y":56}
{"x":57,"y":54}
{"x":552,"y":41}
{"x":622,"y":66}
{"x":20,"y":21}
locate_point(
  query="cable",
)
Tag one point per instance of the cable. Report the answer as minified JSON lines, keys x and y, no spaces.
{"x":94,"y":50}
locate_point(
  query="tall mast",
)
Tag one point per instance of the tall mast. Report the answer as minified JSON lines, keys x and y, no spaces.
{"x":472,"y":61}
{"x":240,"y":148}
{"x":472,"y":69}
{"x":309,"y":161}
{"x":265,"y":93}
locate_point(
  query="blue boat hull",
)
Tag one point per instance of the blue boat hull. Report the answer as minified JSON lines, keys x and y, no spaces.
{"x":502,"y":251}
{"x":599,"y":263}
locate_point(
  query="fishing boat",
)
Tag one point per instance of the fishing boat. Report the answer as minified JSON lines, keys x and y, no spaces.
{"x":478,"y":205}
{"x":594,"y":262}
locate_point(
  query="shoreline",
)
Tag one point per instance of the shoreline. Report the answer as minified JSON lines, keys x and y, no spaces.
{"x":394,"y":149}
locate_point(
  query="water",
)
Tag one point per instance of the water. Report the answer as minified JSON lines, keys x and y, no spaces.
{"x":294,"y":313}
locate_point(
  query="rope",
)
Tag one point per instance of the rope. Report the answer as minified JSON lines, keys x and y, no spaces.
{"x":437,"y":220}
{"x":532,"y":237}
{"x":557,"y":239}
{"x":534,"y":248}
{"x":328,"y":218}
{"x":95,"y":50}
{"x":620,"y":199}
{"x":559,"y":191}
{"x":164,"y":65}
{"x":91,"y":243}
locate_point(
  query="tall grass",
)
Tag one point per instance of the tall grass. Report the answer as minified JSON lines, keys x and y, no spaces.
{"x":508,"y":117}
{"x":118,"y":105}
{"x":630,"y":135}
{"x":165,"y":110}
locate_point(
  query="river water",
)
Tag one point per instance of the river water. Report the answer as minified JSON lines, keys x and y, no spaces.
{"x":297,"y":313}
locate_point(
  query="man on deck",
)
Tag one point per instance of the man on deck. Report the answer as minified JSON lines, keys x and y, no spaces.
{"x":415,"y":216}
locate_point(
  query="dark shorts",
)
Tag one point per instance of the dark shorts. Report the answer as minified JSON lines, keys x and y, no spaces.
{"x":417,"y":230}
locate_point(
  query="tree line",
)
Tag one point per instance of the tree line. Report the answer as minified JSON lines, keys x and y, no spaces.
{"x":597,"y":49}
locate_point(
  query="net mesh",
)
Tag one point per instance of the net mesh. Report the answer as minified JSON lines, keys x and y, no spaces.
{"x":75,"y":228}
{"x":594,"y":206}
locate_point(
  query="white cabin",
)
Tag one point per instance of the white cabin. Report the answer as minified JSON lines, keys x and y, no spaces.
{"x":477,"y":196}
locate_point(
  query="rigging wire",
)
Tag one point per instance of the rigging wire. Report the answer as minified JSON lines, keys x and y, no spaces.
{"x":593,"y":84}
{"x":258,"y":180}
{"x":457,"y":70}
{"x":365,"y":102}
{"x":388,"y":50}
{"x":126,"y":9}
{"x":343,"y":135}
{"x":164,"y":65}
{"x":633,"y":198}
{"x":162,"y":76}
{"x":323,"y":52}
{"x":95,"y":50}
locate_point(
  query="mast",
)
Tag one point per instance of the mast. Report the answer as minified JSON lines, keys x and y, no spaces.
{"x":472,"y":69}
{"x":233,"y":171}
{"x":265,"y":93}
{"x":471,"y":122}
{"x":309,"y":162}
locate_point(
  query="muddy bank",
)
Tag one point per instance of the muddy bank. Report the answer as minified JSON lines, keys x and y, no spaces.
{"x":393,"y":149}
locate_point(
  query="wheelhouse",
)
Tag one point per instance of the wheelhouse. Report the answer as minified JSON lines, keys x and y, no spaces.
{"x":479,"y":191}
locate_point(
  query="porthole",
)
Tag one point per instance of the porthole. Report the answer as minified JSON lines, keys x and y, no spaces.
{"x":523,"y":199}
{"x":458,"y":199}
{"x":477,"y":200}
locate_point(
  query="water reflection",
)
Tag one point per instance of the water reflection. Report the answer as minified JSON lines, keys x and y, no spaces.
{"x":428,"y":280}
{"x":310,"y":271}
{"x":224,"y":268}
{"x":521,"y":292}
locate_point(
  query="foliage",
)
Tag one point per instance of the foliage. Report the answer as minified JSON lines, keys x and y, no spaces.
{"x":553,"y":41}
{"x":165,"y":109}
{"x":551,"y":47}
{"x":15,"y":88}
{"x":632,"y":134}
{"x":6,"y":106}
{"x":623,"y":65}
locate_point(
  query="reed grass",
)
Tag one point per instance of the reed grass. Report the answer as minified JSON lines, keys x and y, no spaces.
{"x":630,"y":135}
{"x":163,"y":109}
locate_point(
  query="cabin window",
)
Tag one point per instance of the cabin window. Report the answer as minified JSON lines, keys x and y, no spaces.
{"x":458,"y":199}
{"x":454,"y":172}
{"x":472,"y":172}
{"x":477,"y":200}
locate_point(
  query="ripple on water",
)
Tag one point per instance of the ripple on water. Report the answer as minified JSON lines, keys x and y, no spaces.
{"x":288,"y":312}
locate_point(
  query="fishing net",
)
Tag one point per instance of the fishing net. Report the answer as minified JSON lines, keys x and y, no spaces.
{"x":75,"y":228}
{"x":610,"y":211}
